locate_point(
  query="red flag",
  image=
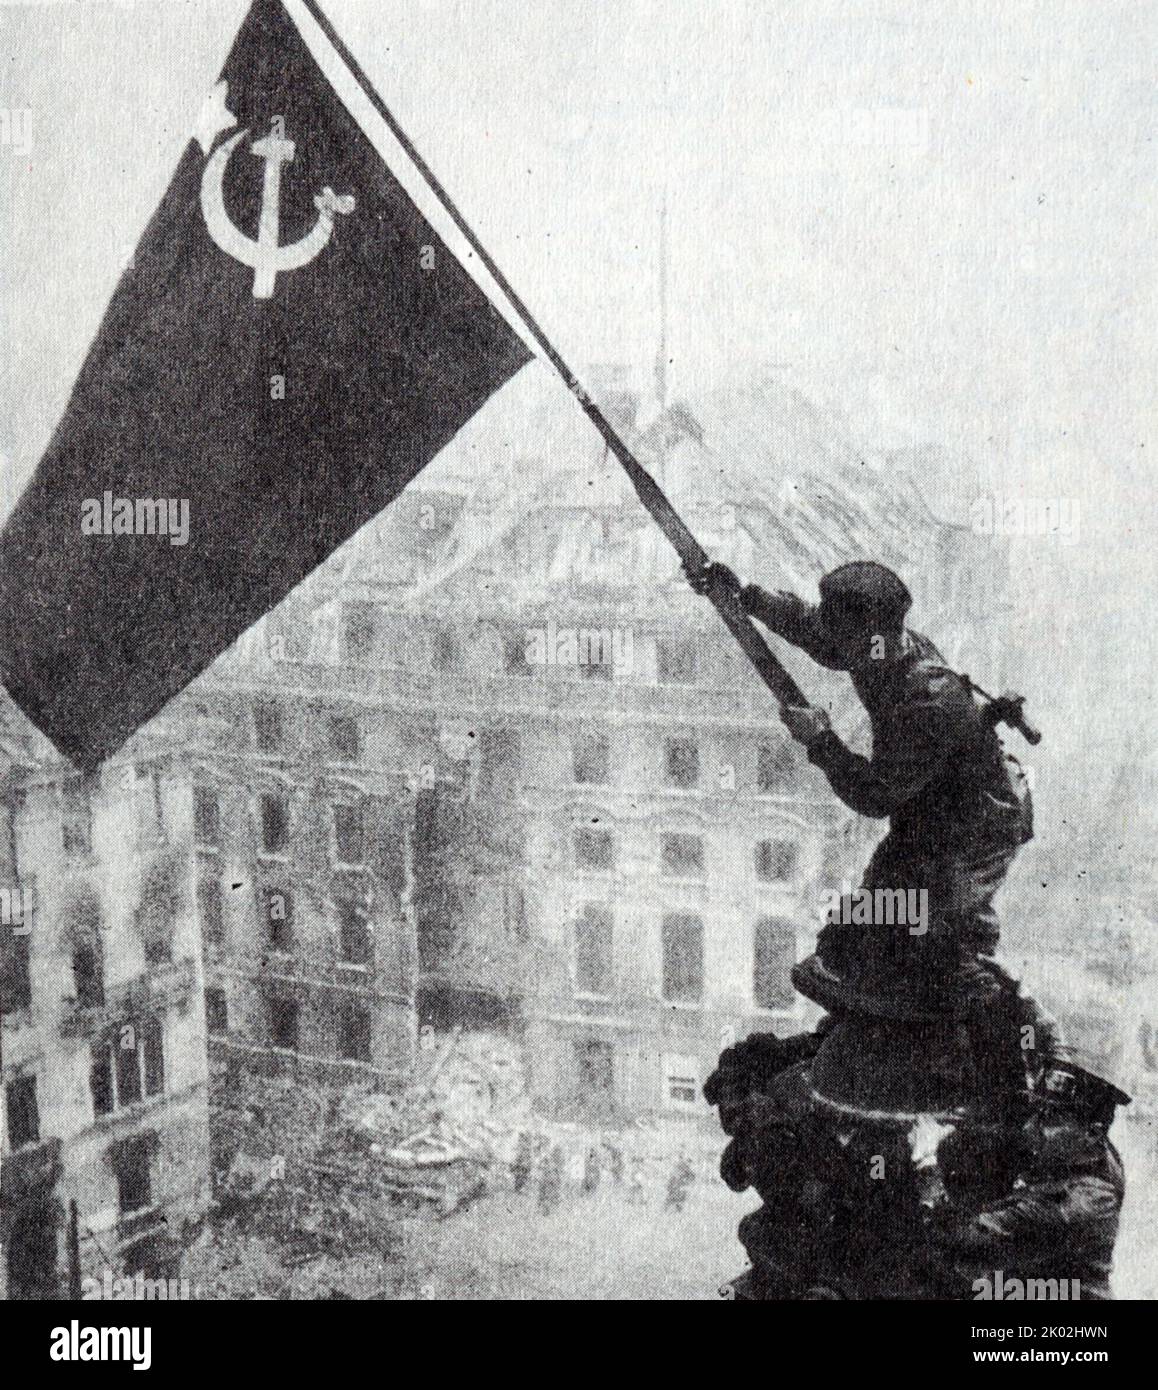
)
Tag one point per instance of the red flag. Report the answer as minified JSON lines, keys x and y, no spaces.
{"x":291,"y":345}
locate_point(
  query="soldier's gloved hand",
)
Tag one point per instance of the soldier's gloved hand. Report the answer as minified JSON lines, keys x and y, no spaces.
{"x":731,"y":1099}
{"x":964,"y":1231}
{"x":805,"y":723}
{"x":715,"y":579}
{"x":728,"y":1082}
{"x":752,"y":1064}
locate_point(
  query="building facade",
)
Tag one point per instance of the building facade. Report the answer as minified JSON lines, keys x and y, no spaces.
{"x":586,"y":822}
{"x":300,"y":843}
{"x":105,"y":1138}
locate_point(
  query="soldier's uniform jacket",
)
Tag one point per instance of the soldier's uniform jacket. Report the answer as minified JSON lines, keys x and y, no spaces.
{"x":1050,"y":1227}
{"x":937,"y":770}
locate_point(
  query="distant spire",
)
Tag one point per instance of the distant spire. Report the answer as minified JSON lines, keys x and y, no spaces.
{"x":661,"y":348}
{"x":661,"y":351}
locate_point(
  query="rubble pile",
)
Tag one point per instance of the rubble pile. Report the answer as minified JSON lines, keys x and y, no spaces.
{"x":454,"y":1130}
{"x":466,"y":1127}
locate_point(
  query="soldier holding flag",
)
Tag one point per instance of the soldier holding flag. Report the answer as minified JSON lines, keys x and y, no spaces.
{"x":957,"y":810}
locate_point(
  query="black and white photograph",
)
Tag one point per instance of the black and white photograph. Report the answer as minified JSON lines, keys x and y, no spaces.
{"x":577,"y":664}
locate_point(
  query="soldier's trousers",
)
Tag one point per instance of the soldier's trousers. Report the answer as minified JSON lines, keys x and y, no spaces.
{"x":944,"y":966}
{"x":956,"y":922}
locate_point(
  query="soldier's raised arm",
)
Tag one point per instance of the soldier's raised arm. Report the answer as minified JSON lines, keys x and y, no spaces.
{"x":784,"y":614}
{"x":791,"y":617}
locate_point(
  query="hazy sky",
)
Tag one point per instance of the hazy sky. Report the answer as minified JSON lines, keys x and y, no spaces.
{"x":943,"y":213}
{"x":939,"y":216}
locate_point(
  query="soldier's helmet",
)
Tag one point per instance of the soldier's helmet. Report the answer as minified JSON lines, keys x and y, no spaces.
{"x":864,"y":592}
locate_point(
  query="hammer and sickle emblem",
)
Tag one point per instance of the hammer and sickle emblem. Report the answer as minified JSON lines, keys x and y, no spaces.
{"x":267,"y":259}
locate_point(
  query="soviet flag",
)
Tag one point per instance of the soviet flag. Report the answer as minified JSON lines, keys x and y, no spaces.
{"x":291,"y":344}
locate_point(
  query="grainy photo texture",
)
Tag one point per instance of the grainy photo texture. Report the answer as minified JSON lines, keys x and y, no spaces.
{"x":576,"y":591}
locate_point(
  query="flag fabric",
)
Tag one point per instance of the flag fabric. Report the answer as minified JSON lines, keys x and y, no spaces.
{"x":291,"y":344}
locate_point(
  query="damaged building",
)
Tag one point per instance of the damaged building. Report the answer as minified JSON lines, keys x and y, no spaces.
{"x":437,"y":778}
{"x":105,"y":1125}
{"x":299,"y":836}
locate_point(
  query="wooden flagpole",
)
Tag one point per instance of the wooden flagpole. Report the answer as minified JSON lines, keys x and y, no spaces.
{"x":691,"y":553}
